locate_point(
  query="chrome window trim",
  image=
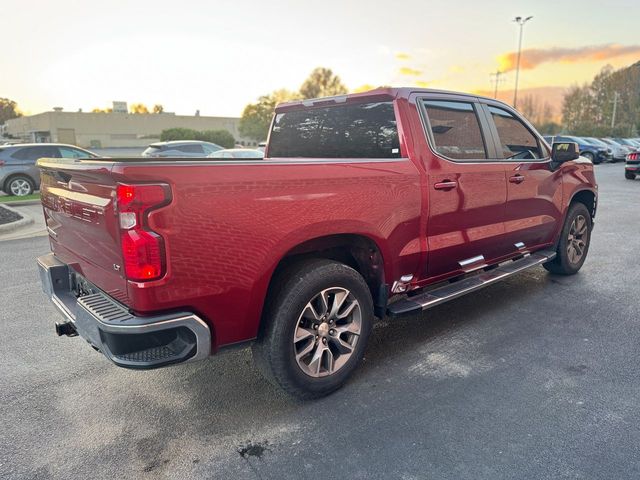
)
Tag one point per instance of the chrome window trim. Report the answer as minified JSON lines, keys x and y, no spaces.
{"x":473,"y":100}
{"x":542,"y":144}
{"x":426,"y":126}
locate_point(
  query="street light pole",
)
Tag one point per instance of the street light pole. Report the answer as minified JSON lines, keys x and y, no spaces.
{"x":520,"y":21}
{"x":497,"y":78}
{"x":616,"y":95}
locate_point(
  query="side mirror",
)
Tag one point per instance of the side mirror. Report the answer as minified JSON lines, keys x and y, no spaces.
{"x":564,"y":152}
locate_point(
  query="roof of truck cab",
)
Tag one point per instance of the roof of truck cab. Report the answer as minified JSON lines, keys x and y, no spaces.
{"x":378,"y":94}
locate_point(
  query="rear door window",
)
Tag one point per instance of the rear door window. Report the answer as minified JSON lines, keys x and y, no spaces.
{"x":34,"y":153}
{"x":455,"y":129}
{"x":516,"y":140}
{"x":367,"y":130}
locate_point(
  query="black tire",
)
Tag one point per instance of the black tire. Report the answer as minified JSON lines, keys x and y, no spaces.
{"x":589,"y":155}
{"x":19,"y":185}
{"x":565,"y":262}
{"x":629,"y":175}
{"x":274,"y":351}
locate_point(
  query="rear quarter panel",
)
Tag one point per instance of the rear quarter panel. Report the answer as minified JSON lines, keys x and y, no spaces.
{"x":230,"y":223}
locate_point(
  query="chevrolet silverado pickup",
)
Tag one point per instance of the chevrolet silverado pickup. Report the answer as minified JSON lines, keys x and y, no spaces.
{"x":374,"y":204}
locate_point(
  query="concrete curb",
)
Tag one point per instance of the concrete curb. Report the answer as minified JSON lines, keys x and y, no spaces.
{"x":10,"y":227}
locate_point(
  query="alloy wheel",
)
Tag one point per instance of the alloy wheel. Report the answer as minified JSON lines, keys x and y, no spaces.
{"x":20,"y":187}
{"x":577,"y":239}
{"x":327,"y":332}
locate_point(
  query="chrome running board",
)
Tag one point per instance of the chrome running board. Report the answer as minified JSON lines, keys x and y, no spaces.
{"x":431,"y":298}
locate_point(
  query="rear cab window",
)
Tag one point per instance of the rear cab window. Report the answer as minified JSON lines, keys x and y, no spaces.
{"x":366,"y":130}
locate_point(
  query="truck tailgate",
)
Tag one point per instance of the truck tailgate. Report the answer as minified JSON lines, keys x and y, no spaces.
{"x":78,"y":199}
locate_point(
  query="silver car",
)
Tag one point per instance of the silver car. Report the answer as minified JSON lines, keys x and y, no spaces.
{"x":181,"y":148}
{"x":246,"y":153}
{"x":18,"y":172}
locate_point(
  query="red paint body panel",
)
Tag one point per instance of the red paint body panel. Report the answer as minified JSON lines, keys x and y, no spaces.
{"x":228,"y":225}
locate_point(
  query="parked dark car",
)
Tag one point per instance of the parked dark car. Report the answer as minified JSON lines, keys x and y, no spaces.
{"x":627,"y":142}
{"x":181,"y":148}
{"x":599,"y":143}
{"x":596,"y":154}
{"x":18,"y":172}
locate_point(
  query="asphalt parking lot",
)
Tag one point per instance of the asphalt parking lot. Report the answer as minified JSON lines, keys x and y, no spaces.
{"x":537,"y":377}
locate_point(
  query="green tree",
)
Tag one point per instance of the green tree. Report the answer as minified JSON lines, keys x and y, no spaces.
{"x":219,"y":137}
{"x":8,"y":110}
{"x":256,"y":117}
{"x":588,"y":110}
{"x":322,"y":83}
{"x":178,"y":134}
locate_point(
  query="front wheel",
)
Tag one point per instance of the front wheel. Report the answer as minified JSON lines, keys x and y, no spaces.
{"x":588,"y":155}
{"x":574,"y":242}
{"x":317,"y":324}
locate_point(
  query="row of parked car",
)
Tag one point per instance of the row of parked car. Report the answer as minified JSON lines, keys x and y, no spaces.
{"x":600,"y":150}
{"x":19,"y":175}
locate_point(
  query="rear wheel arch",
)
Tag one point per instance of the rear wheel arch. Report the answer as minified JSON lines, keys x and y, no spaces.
{"x":354,"y":250}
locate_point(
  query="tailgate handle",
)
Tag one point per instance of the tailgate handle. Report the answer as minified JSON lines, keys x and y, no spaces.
{"x":61,"y":176}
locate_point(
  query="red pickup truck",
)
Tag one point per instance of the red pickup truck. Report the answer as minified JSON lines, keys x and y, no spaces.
{"x":381,"y":203}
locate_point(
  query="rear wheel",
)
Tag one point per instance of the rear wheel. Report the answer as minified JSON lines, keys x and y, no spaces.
{"x":20,"y":185}
{"x":317,"y":324}
{"x":629,"y":175}
{"x":574,"y":242}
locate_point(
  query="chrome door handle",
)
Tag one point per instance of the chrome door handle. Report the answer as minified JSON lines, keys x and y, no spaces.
{"x":446,"y":185}
{"x":516,"y":179}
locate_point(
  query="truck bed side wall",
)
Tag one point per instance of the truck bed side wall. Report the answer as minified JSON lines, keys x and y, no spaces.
{"x":228,"y":226}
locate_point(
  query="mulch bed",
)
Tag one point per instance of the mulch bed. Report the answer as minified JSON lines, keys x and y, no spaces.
{"x":7,"y":216}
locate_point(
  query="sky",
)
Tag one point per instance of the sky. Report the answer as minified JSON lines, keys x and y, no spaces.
{"x":216,"y":56}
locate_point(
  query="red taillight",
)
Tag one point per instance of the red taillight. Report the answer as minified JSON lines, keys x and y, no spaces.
{"x":142,"y":249}
{"x":633,"y":156}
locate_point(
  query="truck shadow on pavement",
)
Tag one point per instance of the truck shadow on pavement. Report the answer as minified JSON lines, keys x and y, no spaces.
{"x":231,"y":379}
